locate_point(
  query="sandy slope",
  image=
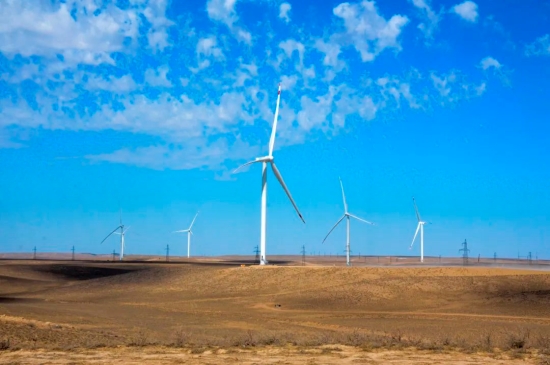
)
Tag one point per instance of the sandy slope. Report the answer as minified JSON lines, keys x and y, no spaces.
{"x":81,"y":304}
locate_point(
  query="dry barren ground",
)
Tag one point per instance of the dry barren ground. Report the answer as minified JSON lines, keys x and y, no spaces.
{"x":220,"y":312}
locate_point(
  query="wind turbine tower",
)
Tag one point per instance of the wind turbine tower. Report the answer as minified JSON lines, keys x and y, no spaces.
{"x":420,"y":227}
{"x":189,"y":233}
{"x":346,"y":215}
{"x":121,"y":233}
{"x":265,"y":160}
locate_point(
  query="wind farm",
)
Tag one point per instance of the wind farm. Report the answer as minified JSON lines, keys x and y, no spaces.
{"x":332,"y":308}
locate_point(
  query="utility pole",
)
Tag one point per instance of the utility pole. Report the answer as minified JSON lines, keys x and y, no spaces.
{"x":530,"y":257}
{"x":303,"y":252}
{"x":495,"y":257}
{"x":113,"y":255}
{"x":34,"y":255}
{"x":257,"y":252}
{"x":73,"y":254}
{"x":465,"y":252}
{"x":478,"y":257}
{"x":167,"y":252}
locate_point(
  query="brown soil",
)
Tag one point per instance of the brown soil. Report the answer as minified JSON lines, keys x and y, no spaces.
{"x":220,"y":312}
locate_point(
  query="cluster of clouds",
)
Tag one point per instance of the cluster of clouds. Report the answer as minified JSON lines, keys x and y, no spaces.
{"x":91,"y":65}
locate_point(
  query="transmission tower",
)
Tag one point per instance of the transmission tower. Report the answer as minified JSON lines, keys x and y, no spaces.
{"x":303,"y":252}
{"x":167,"y":252}
{"x":72,"y":258}
{"x":257,"y":252}
{"x":465,"y":251}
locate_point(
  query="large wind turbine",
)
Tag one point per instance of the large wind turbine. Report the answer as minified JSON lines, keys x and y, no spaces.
{"x":420,"y":227}
{"x":189,"y":233}
{"x":121,"y":233}
{"x":346,"y":215}
{"x":264,"y":160}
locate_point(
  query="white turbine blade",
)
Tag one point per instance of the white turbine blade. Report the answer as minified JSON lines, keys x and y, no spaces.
{"x":274,"y":128}
{"x":415,"y":234}
{"x":416,"y":210}
{"x":343,"y":196}
{"x":126,"y":230}
{"x":110,"y":234}
{"x":246,"y":164}
{"x":181,"y":230}
{"x":332,"y":229}
{"x":280,"y":178}
{"x":191,"y":226}
{"x":361,"y":219}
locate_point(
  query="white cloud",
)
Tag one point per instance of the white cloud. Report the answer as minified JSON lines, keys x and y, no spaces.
{"x":540,"y":47}
{"x":489,"y":62}
{"x":80,"y":31}
{"x":157,"y":78}
{"x":121,"y":85}
{"x":466,"y":10}
{"x":224,"y":11}
{"x":290,"y":46}
{"x":429,"y":26}
{"x":453,"y":87}
{"x":367,"y":31}
{"x":284,"y":9}
{"x":331,"y":51}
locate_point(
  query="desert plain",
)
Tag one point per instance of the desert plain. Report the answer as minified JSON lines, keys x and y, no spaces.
{"x":227,"y":310}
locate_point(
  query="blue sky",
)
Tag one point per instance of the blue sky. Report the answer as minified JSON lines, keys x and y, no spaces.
{"x":149,"y":106}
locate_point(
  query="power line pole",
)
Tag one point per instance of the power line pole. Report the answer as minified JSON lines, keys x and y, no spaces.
{"x":257,"y":252}
{"x":72,"y":258}
{"x":530,"y":257}
{"x":34,"y":255}
{"x":167,"y":252}
{"x":303,"y":252}
{"x":465,"y":252}
{"x":495,"y":257}
{"x":113,"y":255}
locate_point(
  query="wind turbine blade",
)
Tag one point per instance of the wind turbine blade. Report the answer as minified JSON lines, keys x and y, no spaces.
{"x":332,"y":229}
{"x":280,"y":178}
{"x":181,"y":230}
{"x":361,"y":219}
{"x":126,"y":230}
{"x":415,"y":234}
{"x":246,"y":164}
{"x":343,"y":196}
{"x":191,"y":226}
{"x":274,"y":128}
{"x":110,"y":234}
{"x":416,"y":210}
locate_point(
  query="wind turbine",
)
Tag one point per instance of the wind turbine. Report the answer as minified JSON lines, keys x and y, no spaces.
{"x":346,"y":215}
{"x":121,"y":233}
{"x":189,"y":233}
{"x":264,"y":160}
{"x":420,"y":227}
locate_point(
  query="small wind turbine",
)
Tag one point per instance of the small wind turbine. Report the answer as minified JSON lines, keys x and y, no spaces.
{"x":264,"y":160}
{"x":121,"y":233}
{"x":420,"y":227}
{"x":346,"y":215}
{"x":189,"y":233}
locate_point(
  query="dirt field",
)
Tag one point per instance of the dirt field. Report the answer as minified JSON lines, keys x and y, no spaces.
{"x":219,"y":312}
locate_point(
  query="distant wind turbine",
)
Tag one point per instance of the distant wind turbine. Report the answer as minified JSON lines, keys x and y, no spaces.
{"x":264,"y":160}
{"x":121,"y":233}
{"x":189,"y":233}
{"x":420,"y":227}
{"x":346,"y":215}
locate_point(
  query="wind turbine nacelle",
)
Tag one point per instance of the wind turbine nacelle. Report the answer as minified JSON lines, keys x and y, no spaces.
{"x":264,"y":159}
